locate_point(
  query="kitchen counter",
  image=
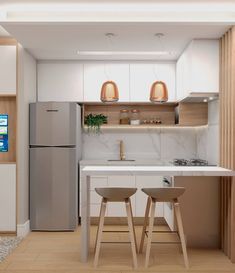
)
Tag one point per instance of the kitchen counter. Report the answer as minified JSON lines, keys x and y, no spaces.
{"x":157,"y":170}
{"x":106,"y":168}
{"x":137,"y":162}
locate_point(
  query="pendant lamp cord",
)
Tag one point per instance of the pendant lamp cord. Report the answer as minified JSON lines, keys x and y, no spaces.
{"x":154,"y":71}
{"x":110,"y":41}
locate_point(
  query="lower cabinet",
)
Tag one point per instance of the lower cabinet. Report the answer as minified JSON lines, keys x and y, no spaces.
{"x":8,"y":198}
{"x":138,"y":200}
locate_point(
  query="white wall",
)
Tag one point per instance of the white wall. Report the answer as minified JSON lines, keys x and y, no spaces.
{"x":26,"y":94}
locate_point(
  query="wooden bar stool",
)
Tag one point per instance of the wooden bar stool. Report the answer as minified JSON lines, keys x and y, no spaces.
{"x":162,"y":195}
{"x":116,"y":195}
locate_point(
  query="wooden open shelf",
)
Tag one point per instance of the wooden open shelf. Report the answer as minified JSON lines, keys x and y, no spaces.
{"x":141,"y":127}
{"x":172,"y":115}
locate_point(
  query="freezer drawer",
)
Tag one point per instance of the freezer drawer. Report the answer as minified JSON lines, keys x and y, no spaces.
{"x":53,"y":123}
{"x":53,"y":188}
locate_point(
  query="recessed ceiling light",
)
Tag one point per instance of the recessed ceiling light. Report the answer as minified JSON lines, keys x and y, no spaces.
{"x":211,"y":98}
{"x":205,"y":100}
{"x":126,"y":53}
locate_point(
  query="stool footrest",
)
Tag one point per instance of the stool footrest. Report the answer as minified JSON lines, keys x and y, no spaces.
{"x":115,"y":231}
{"x":156,"y":242}
{"x":110,"y":242}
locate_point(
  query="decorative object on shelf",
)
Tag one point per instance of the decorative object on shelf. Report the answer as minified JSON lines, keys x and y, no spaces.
{"x":135,"y":117}
{"x":94,"y":122}
{"x":109,"y":92}
{"x":158,"y":91}
{"x":124,"y":117}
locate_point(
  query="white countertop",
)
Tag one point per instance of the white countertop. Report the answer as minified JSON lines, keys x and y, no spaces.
{"x":90,"y":170}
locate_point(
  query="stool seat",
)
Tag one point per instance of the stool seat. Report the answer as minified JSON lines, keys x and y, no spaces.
{"x":164,"y":194}
{"x":116,"y":194}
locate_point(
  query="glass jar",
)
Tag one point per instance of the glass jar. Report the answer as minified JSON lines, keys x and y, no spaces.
{"x":124,"y":116}
{"x":135,"y":117}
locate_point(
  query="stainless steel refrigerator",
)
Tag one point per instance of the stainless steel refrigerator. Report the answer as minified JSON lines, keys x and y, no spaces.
{"x":55,"y":151}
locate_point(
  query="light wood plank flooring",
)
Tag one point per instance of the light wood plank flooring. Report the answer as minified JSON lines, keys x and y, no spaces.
{"x":51,"y":252}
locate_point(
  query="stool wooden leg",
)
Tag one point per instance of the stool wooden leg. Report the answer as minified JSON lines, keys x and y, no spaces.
{"x":136,"y":247}
{"x":145,"y":225}
{"x":150,"y":232}
{"x":131,"y":232}
{"x":100,"y":230}
{"x":101,"y":205}
{"x":181,"y":233}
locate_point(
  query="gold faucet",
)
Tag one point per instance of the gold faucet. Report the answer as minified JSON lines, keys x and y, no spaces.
{"x":122,"y":152}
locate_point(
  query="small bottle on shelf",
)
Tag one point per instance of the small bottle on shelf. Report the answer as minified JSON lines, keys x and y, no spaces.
{"x":124,"y":117}
{"x":135,"y":117}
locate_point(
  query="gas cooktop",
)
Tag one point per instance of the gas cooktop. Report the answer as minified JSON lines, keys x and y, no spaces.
{"x":189,"y":162}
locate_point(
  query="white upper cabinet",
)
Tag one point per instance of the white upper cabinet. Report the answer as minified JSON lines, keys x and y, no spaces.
{"x":95,"y":74}
{"x":8,"y":69}
{"x":142,"y":76}
{"x":197,"y":69}
{"x":60,"y":81}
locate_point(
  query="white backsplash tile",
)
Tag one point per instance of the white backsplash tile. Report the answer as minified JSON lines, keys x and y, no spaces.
{"x":213,"y":112}
{"x":202,"y":140}
{"x":213,"y":144}
{"x":180,"y":143}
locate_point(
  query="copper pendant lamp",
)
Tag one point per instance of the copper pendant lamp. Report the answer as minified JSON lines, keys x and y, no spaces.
{"x":109,"y":92}
{"x":159,"y":92}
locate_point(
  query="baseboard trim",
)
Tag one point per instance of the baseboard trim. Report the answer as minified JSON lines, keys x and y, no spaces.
{"x":23,"y":229}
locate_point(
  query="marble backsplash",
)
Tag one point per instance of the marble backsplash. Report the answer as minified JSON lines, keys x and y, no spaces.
{"x":159,"y":144}
{"x":208,"y":137}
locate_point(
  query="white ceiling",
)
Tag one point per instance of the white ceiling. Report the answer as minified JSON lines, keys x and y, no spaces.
{"x":57,"y":29}
{"x":62,"y":41}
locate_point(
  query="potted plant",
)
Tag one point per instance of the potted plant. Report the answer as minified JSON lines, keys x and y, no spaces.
{"x":94,"y":121}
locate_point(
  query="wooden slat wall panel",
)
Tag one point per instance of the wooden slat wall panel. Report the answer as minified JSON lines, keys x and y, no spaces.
{"x":227,"y":140}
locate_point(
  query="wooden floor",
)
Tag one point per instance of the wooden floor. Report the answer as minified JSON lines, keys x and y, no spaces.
{"x":51,"y":252}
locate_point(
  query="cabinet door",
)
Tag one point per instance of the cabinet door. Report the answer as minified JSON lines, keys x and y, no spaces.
{"x":197,"y":69}
{"x":60,"y":81}
{"x":116,"y":209}
{"x":141,"y":198}
{"x":142,"y":76}
{"x":96,"y":74}
{"x":8,"y":69}
{"x":205,"y":66}
{"x":8,"y":197}
{"x":95,"y":199}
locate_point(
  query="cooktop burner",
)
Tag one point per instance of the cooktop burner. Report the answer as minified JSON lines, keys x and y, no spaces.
{"x":190,"y":162}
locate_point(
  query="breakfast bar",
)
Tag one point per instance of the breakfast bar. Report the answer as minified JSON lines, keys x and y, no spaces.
{"x":86,"y":171}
